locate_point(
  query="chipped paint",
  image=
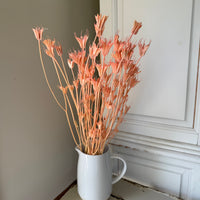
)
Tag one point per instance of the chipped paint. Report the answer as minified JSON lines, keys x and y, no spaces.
{"x":150,"y":188}
{"x":126,"y":147}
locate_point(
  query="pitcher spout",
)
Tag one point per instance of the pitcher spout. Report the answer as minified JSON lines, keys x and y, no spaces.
{"x":78,"y":150}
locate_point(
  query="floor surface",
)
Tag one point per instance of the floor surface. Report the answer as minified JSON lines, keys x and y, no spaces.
{"x":125,"y":190}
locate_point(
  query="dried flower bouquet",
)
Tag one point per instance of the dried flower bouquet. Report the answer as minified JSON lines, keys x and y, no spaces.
{"x":100,"y":86}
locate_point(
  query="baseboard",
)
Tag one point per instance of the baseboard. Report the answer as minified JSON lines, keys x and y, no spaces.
{"x":65,"y":190}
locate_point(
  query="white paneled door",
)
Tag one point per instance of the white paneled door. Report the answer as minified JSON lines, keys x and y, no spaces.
{"x":166,"y":96}
{"x":165,"y":106}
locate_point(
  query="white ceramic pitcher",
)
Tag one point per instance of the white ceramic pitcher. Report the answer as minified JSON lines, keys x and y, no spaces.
{"x":94,"y":175}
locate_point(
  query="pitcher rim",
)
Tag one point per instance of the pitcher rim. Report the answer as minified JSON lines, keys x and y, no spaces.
{"x":106,"y":150}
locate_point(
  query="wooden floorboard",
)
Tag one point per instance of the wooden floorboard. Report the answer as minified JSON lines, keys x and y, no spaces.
{"x":66,"y":190}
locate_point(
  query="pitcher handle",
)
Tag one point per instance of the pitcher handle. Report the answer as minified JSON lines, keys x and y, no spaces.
{"x":116,"y":179}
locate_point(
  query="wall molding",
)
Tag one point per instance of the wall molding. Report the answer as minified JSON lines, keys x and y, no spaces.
{"x":159,"y":170}
{"x":159,"y":130}
{"x":180,"y":151}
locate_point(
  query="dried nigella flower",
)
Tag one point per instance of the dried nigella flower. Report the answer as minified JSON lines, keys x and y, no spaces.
{"x":97,"y":83}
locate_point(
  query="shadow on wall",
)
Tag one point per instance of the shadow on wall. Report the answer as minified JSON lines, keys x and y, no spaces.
{"x":37,"y":156}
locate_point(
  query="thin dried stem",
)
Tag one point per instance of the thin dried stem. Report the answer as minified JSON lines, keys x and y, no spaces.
{"x":47,"y":81}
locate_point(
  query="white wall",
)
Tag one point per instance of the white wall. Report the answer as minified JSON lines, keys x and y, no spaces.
{"x":161,"y":133}
{"x":37,"y":157}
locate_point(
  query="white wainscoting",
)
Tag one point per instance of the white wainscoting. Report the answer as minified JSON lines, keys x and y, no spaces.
{"x":160,"y":136}
{"x":170,"y":171}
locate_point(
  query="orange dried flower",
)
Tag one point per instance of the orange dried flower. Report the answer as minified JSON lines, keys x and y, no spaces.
{"x":63,"y":89}
{"x":38,"y":33}
{"x":105,"y":46}
{"x":59,"y":50}
{"x":82,"y":41}
{"x":99,"y":26}
{"x":94,"y":51}
{"x":136,"y":27}
{"x":77,"y":57}
{"x":49,"y":47}
{"x":143,"y":48}
{"x":133,"y":82}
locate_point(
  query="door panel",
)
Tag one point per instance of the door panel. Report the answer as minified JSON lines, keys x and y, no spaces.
{"x":164,"y":103}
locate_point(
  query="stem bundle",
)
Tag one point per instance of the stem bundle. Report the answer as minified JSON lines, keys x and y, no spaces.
{"x":99,"y":90}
